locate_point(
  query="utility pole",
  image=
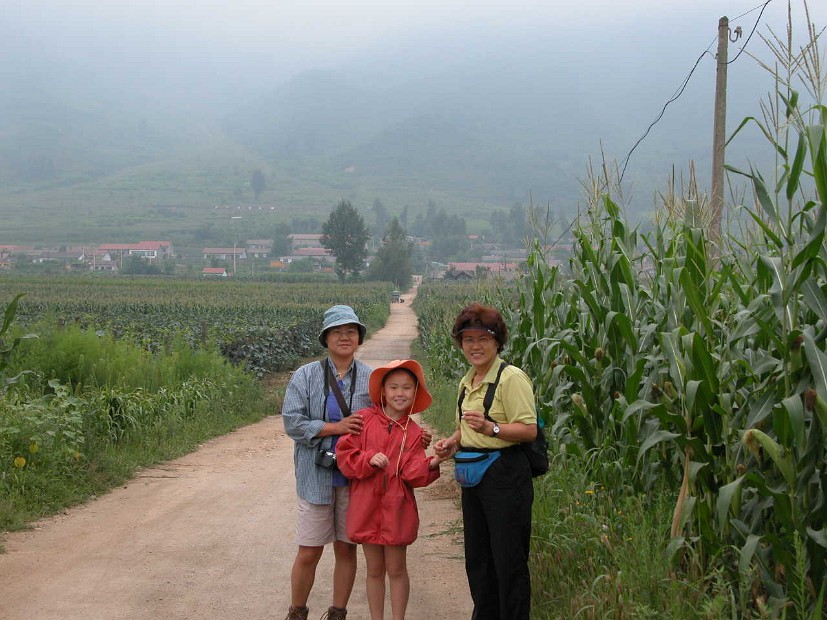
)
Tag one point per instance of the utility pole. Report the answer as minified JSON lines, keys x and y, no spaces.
{"x":716,"y":202}
{"x":235,"y":237}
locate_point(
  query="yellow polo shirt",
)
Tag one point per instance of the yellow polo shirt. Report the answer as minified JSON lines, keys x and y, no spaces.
{"x":513,"y":402}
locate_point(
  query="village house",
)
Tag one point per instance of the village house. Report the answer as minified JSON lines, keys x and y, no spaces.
{"x":150,"y":250}
{"x":320,"y":256}
{"x":214,"y":272}
{"x":259,"y":248}
{"x":224,"y":253}
{"x":99,"y":260}
{"x":70,"y":259}
{"x":7,"y":251}
{"x":305,"y":240}
{"x":469,"y":271}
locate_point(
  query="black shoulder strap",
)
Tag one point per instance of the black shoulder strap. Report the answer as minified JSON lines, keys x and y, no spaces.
{"x":489,"y":394}
{"x":331,"y":383}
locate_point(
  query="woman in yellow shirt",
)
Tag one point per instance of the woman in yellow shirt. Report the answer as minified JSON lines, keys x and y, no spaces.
{"x":497,"y":510}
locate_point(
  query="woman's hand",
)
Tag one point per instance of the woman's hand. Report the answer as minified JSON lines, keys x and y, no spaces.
{"x":476,"y":421}
{"x":351,"y":425}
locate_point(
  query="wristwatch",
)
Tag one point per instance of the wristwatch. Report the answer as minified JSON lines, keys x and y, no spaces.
{"x":495,"y":430}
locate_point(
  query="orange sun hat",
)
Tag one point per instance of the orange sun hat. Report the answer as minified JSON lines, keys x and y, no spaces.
{"x":422,"y":399}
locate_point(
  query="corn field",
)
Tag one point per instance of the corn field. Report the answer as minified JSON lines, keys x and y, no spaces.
{"x":673,"y":363}
{"x":265,"y":326}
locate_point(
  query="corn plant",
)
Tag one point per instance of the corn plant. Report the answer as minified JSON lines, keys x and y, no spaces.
{"x":665,"y":369}
{"x":6,"y":349}
{"x":668,"y":366}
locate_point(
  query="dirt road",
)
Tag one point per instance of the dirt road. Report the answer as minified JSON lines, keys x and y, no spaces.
{"x":211,"y":535}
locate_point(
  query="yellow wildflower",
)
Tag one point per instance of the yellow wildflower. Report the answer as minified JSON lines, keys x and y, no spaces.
{"x":20,"y":462}
{"x":33,"y":447}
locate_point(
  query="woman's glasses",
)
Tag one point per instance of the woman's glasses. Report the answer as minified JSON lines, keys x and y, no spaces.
{"x":480,"y":340}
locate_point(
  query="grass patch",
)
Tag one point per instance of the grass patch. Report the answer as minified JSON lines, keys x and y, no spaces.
{"x":67,"y":435}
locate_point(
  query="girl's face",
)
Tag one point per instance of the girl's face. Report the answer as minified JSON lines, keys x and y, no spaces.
{"x":399,"y":390}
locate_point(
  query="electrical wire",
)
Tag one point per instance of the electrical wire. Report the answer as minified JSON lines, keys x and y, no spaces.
{"x":686,"y":82}
{"x":752,"y":32}
{"x":679,"y":92}
{"x":662,"y":112}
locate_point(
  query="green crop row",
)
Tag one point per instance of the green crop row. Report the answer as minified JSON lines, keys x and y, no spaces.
{"x":267,"y":326}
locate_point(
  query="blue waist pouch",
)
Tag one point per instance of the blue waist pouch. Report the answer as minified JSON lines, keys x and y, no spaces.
{"x":470,"y":467}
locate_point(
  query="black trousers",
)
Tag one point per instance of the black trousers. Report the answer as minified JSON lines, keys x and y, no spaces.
{"x":497,"y":529}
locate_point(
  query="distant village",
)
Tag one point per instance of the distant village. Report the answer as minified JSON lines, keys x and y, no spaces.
{"x":225,"y":262}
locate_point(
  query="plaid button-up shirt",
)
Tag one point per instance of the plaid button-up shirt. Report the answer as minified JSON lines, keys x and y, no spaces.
{"x":303,"y":414}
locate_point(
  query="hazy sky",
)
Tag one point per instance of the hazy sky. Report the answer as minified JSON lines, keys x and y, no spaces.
{"x":295,"y":34}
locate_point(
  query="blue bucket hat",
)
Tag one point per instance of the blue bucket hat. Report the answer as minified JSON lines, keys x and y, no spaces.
{"x":341,"y":315}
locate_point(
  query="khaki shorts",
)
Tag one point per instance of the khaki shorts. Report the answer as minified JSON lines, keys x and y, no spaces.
{"x":317,"y":525}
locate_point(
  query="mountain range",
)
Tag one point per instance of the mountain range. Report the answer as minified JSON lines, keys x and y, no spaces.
{"x":95,"y":149}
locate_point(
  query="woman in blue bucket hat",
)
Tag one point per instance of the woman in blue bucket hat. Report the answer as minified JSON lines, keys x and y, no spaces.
{"x":320,"y":405}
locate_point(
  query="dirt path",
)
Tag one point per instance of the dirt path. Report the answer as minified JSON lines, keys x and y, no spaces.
{"x":211,"y":535}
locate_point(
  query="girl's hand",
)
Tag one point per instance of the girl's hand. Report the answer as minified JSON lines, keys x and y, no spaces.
{"x":379,"y":460}
{"x":446,"y":448}
{"x":426,"y":438}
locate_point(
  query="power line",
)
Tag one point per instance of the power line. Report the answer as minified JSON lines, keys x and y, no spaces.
{"x":689,"y":76}
{"x":752,"y":10}
{"x":662,"y":112}
{"x":752,"y":32}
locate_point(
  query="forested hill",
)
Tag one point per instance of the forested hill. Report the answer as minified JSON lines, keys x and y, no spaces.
{"x":471,"y":133}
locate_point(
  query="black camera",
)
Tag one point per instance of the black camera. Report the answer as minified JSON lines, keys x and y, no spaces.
{"x":326,"y":458}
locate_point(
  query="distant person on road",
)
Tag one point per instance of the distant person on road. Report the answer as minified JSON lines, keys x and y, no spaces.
{"x":321,"y":405}
{"x":385,"y":462}
{"x":497,"y":490}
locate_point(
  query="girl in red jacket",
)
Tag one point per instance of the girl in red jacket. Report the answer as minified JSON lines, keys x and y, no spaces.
{"x":385,"y":462}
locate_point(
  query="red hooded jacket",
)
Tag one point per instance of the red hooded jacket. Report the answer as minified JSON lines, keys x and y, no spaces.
{"x":382,"y":508}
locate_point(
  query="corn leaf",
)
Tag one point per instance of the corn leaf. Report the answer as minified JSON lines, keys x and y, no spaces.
{"x":767,"y":134}
{"x":817,"y":360}
{"x":726,"y":496}
{"x":819,"y":536}
{"x":764,"y":198}
{"x":746,"y":554}
{"x":704,"y":364}
{"x":10,"y":313}
{"x":795,"y":412}
{"x":816,"y":242}
{"x":678,"y":368}
{"x":692,"y":292}
{"x":623,"y":325}
{"x":818,"y":148}
{"x":797,"y":167}
{"x":654,"y":439}
{"x":675,"y":545}
{"x":770,"y":234}
{"x":772,"y":267}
